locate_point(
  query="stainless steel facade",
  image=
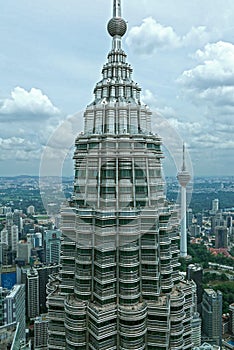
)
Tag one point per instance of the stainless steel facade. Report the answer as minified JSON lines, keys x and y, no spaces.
{"x":119,"y":286}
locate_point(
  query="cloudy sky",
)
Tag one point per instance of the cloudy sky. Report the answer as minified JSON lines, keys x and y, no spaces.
{"x":51,"y":56}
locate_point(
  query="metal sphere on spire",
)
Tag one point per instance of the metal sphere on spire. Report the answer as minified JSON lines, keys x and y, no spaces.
{"x":117,"y":25}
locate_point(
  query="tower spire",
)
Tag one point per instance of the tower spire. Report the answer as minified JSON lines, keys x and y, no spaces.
{"x":117,"y":8}
{"x":183,"y":165}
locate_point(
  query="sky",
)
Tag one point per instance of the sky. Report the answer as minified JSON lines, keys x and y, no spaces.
{"x":51,"y":57}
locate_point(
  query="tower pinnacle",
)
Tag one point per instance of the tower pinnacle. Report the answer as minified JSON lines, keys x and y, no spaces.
{"x":183,"y":165}
{"x":117,"y":8}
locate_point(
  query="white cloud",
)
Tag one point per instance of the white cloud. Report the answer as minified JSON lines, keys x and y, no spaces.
{"x":27,"y":120}
{"x":16,"y":142}
{"x":152,"y":36}
{"x":203,"y":135}
{"x":196,"y":36}
{"x":214,"y":75}
{"x":16,"y":148}
{"x":149,"y":98}
{"x":25,"y":103}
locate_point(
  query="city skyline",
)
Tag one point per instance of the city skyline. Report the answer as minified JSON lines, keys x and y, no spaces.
{"x":182,"y":58}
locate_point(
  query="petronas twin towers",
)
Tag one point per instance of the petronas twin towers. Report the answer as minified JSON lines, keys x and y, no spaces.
{"x":119,"y":287}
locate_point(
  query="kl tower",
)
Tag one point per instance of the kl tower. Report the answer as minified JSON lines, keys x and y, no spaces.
{"x":183,"y":177}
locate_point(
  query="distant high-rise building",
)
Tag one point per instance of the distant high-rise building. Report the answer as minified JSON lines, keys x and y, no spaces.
{"x":4,"y":236}
{"x":195,"y":230}
{"x":3,"y":254}
{"x":17,"y":219}
{"x":52,"y":243}
{"x":40,"y":332}
{"x":215,"y":206}
{"x":229,"y":221}
{"x":31,"y":210}
{"x":195,"y":273}
{"x":3,"y":294}
{"x":231,"y":320}
{"x":14,"y":309}
{"x":9,"y":240}
{"x":217,"y":220}
{"x":32,"y":295}
{"x":189,"y":218}
{"x":24,"y":250}
{"x":221,"y":237}
{"x":196,"y":329}
{"x":8,"y":227}
{"x":199,"y":218}
{"x":57,"y":221}
{"x":119,"y":286}
{"x":212,"y":316}
{"x":183,"y":178}
{"x":14,"y":237}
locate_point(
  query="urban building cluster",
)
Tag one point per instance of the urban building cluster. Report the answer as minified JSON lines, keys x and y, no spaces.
{"x":214,"y":227}
{"x":30,"y":250}
{"x":107,"y":275}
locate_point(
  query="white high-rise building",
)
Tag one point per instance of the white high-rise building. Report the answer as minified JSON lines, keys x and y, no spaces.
{"x":31,"y":210}
{"x":215,"y":206}
{"x":14,"y":237}
{"x":119,"y":287}
{"x":14,"y":309}
{"x":4,"y":236}
{"x":10,"y":236}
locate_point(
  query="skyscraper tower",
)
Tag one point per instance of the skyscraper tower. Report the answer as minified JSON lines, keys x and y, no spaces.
{"x":119,"y":286}
{"x":183,"y":178}
{"x":212,"y":316}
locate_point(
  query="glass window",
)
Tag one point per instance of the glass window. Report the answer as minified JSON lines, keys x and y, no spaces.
{"x":81,"y":146}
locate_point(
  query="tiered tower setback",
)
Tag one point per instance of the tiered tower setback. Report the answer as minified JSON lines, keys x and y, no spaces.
{"x":119,"y":287}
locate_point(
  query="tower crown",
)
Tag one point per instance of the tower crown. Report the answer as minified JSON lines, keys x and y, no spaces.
{"x":117,"y":89}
